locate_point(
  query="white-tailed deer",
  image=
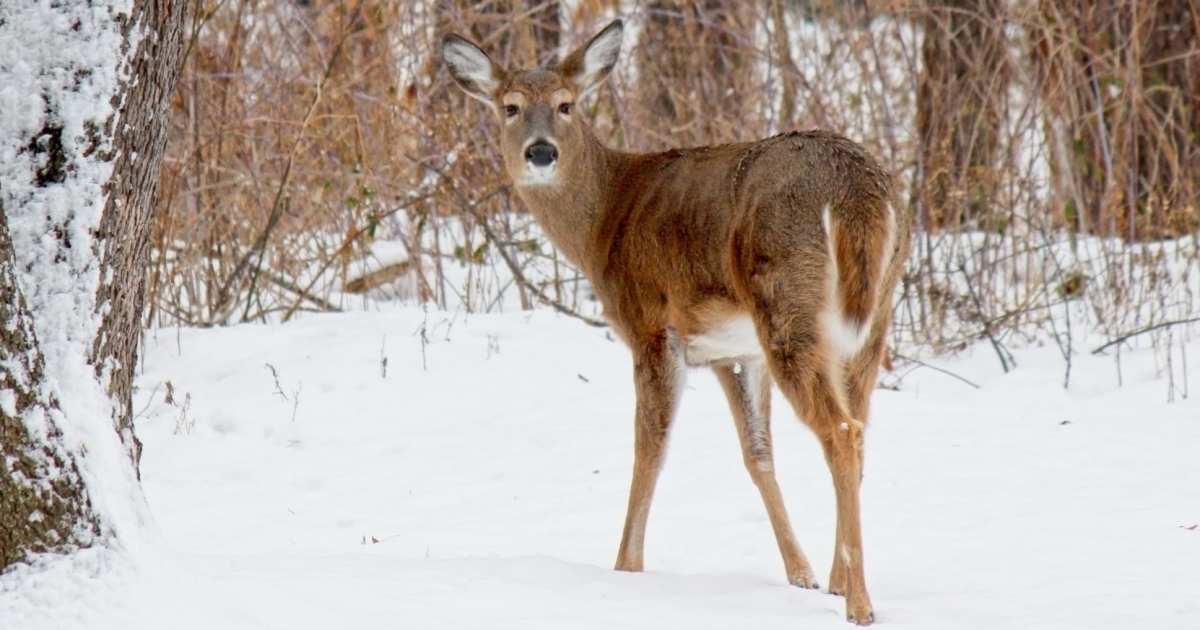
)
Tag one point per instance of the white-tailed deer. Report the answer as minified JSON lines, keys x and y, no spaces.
{"x":766,"y":261}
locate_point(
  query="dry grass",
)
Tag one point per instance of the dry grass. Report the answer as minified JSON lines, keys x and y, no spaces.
{"x":1048,"y":153}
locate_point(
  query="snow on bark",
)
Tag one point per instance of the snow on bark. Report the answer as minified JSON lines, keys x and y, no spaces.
{"x":44,"y":506}
{"x":63,"y":64}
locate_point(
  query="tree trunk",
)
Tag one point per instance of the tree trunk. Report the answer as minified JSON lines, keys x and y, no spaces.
{"x":960,"y":109}
{"x":44,"y":505}
{"x":782,"y":51}
{"x":1164,"y":147}
{"x":76,"y":196}
{"x":1122,"y":81}
{"x":132,"y":195}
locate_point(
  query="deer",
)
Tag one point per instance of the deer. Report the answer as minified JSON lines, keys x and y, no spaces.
{"x":769,"y":262}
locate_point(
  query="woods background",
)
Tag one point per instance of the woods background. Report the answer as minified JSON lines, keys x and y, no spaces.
{"x":1048,"y":150}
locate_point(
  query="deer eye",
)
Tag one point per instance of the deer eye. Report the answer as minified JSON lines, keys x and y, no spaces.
{"x":565,"y":109}
{"x":511,"y":110}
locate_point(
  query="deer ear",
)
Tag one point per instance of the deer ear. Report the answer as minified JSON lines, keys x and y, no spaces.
{"x":587,"y":67}
{"x":472,"y":69}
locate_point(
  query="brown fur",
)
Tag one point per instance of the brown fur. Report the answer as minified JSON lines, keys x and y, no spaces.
{"x":680,"y":242}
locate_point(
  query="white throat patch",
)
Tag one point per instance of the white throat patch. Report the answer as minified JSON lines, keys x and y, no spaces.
{"x":540,"y":175}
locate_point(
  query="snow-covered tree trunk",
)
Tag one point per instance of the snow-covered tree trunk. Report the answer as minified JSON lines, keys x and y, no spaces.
{"x":84,"y":86}
{"x":129,"y":214}
{"x":44,"y":505}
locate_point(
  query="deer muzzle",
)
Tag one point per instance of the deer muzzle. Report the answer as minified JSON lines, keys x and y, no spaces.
{"x":541,"y":154}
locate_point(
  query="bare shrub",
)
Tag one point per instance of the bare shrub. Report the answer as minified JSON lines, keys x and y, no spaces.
{"x":1049,"y":152}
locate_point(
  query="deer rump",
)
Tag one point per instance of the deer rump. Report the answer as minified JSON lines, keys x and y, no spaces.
{"x":682,"y":244}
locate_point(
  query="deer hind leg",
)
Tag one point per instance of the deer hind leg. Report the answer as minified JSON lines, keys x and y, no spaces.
{"x":658,"y":374}
{"x":860,"y":374}
{"x":748,"y":389}
{"x":802,"y":363}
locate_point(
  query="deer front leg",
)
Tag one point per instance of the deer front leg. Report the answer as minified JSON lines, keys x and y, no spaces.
{"x":748,"y":389}
{"x":658,"y":374}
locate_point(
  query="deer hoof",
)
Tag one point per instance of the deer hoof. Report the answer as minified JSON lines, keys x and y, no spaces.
{"x":865,"y":619}
{"x":628,"y":566}
{"x":837,"y":586}
{"x":804,"y":582}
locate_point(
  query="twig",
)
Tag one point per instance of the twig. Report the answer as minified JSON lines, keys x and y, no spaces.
{"x":935,"y":368}
{"x":424,"y":337}
{"x":383,"y":357}
{"x":285,"y":284}
{"x":296,"y":399}
{"x":1183,"y":362}
{"x":277,"y":205}
{"x":1070,"y":347}
{"x":516,"y":272}
{"x":349,"y":241}
{"x":261,"y":246}
{"x":275,"y":376}
{"x":149,"y":401}
{"x":1135,"y":333}
{"x":987,"y":329}
{"x":473,"y":208}
{"x":888,"y":122}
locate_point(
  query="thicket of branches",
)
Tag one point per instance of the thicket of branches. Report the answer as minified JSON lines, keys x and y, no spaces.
{"x":1048,"y":150}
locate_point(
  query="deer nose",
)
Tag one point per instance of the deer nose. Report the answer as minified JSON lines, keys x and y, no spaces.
{"x":541,"y":153}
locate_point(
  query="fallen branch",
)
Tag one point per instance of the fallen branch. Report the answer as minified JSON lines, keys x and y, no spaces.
{"x":935,"y":368}
{"x":347,"y":243}
{"x":1135,"y":333}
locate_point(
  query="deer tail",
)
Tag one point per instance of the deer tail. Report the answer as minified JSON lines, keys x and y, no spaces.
{"x":860,"y":247}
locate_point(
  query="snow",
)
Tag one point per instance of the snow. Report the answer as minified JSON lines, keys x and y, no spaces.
{"x":482,"y":484}
{"x":478,"y":478}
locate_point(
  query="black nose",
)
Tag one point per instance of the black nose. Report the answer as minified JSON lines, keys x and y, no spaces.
{"x":541,"y":154}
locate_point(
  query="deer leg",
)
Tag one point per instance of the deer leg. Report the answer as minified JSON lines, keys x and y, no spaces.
{"x":748,"y":389}
{"x":861,"y":372}
{"x":811,"y":379}
{"x":837,"y":573}
{"x":658,"y":374}
{"x":843,"y":451}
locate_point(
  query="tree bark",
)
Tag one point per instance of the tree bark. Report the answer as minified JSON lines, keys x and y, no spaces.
{"x":44,"y":505}
{"x":783,"y":60}
{"x":960,"y":109}
{"x":132,"y":195}
{"x":76,"y":200}
{"x":1165,"y":146}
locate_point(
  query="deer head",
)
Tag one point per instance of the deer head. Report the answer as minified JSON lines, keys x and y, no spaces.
{"x":543,"y":134}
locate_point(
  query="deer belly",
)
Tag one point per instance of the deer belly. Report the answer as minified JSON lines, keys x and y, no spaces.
{"x":731,"y":339}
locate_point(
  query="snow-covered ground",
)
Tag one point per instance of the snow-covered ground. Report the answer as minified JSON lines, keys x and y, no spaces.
{"x":482,"y":484}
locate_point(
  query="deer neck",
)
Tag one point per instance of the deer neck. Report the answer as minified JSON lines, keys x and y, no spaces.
{"x":570,"y":211}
